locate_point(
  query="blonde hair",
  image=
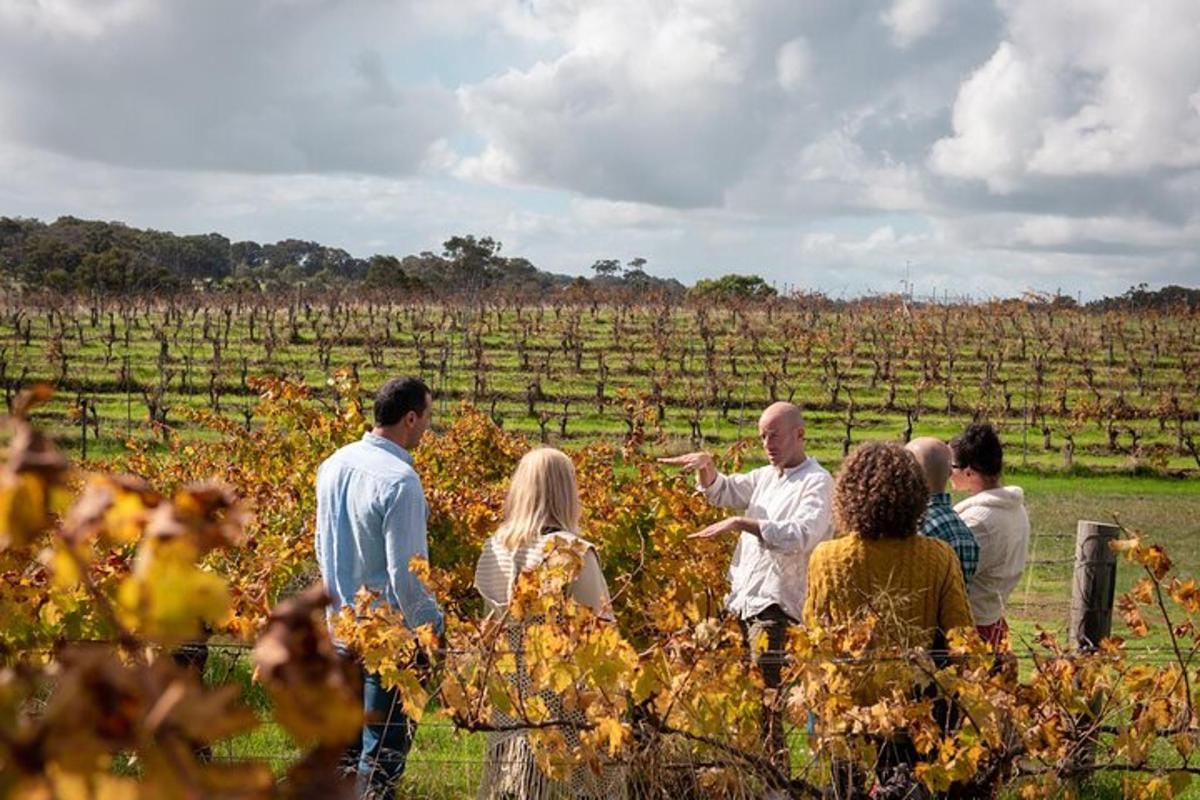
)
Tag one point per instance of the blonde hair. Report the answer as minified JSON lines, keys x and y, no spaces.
{"x":543,"y":495}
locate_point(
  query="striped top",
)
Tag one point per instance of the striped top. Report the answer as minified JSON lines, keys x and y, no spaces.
{"x":510,"y":768}
{"x":498,"y":568}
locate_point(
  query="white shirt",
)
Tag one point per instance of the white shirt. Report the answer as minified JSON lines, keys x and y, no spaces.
{"x":997,"y":518}
{"x":793,"y":511}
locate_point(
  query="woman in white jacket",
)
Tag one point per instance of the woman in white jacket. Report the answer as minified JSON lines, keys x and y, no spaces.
{"x":996,"y":515}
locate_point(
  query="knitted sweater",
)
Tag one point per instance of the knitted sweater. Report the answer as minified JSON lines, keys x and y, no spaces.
{"x":918,"y":577}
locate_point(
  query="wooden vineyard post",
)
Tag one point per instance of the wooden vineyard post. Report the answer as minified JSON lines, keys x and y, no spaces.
{"x":1095,"y":583}
{"x":82,"y":405}
{"x":1092,"y":590}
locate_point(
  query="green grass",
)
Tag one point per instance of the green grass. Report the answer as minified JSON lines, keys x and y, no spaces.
{"x":1166,"y":510}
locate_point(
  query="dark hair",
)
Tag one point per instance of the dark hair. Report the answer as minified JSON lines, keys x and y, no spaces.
{"x":399,"y":396}
{"x":880,"y":492}
{"x":979,"y":448}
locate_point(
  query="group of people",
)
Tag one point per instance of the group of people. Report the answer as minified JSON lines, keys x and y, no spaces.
{"x":942,"y":566}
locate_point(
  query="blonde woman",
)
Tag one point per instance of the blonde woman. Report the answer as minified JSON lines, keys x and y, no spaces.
{"x":542,"y":505}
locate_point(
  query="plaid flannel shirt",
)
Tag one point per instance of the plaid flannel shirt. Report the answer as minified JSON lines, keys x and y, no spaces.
{"x":942,"y":522}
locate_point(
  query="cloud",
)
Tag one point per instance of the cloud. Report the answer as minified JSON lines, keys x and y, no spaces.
{"x":685,"y":103}
{"x":911,"y":20}
{"x":1077,"y":89}
{"x":793,"y":64}
{"x":997,"y":120}
{"x":649,"y":102}
{"x":218,"y":85}
{"x":823,"y":143}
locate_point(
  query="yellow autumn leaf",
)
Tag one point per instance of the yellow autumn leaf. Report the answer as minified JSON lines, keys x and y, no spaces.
{"x":64,"y":566}
{"x":413,"y":696}
{"x":498,"y":696}
{"x":648,"y":682}
{"x":126,"y":518}
{"x":453,"y":698}
{"x":536,"y":710}
{"x":1125,"y":545}
{"x":23,"y":508}
{"x":170,"y":600}
{"x":611,"y":733}
{"x":560,"y":677}
{"x":311,"y":712}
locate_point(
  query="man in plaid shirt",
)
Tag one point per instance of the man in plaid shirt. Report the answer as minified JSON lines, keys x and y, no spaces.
{"x":941,"y":520}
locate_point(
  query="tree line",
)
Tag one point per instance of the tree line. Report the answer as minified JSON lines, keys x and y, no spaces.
{"x":78,"y":255}
{"x":72,"y":254}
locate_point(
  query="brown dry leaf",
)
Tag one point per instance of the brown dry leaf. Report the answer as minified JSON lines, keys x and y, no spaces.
{"x":173,"y":770}
{"x":96,"y":710}
{"x":36,"y":394}
{"x":316,"y":691}
{"x":32,"y":451}
{"x":208,"y":515}
{"x":318,"y":775}
{"x":113,"y":506}
{"x":199,"y":715}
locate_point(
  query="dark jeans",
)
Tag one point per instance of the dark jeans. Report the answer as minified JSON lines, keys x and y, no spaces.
{"x":379,"y":756}
{"x":773,"y":622}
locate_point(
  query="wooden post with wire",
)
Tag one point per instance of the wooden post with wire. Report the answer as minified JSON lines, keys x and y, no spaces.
{"x":1095,"y":583}
{"x":1092,"y":592}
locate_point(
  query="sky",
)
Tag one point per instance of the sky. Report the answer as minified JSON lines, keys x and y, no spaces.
{"x":844,"y":146}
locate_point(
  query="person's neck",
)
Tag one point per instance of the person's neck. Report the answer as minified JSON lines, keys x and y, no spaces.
{"x":792,"y":463}
{"x":982,"y":484}
{"x":391,"y":435}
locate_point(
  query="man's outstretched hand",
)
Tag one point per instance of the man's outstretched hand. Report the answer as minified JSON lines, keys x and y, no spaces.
{"x":731,"y":525}
{"x":700,"y":462}
{"x":705,"y":467}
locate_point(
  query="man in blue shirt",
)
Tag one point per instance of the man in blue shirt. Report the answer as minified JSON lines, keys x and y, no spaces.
{"x":941,"y":520}
{"x":371,"y":516}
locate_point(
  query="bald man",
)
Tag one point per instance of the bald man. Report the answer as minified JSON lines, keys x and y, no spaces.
{"x":785,"y":514}
{"x":941,"y":520}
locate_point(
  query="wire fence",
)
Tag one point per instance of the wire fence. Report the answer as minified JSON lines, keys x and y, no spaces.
{"x":446,"y":761}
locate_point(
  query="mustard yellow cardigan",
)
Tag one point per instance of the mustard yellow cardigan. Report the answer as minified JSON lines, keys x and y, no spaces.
{"x":916,"y":581}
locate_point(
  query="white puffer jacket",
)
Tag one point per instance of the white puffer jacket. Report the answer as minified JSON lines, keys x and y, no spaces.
{"x":997,"y":518}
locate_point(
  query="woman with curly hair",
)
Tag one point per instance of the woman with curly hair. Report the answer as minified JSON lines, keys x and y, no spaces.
{"x":913,"y":584}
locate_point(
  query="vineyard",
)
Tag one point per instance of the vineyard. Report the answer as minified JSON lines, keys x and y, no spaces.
{"x":185,"y":549}
{"x":1114,"y":390}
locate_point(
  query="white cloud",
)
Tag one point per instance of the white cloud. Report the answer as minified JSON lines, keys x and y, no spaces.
{"x":1083,"y":88}
{"x":218,"y":85}
{"x":912,"y":20}
{"x":77,"y":21}
{"x":827,"y":143}
{"x":793,"y":64}
{"x":648,"y":101}
{"x":997,"y":120}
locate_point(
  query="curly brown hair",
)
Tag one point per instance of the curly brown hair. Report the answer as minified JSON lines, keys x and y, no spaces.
{"x":880,"y":492}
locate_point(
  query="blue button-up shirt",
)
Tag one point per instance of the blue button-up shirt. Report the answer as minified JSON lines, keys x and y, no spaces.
{"x":371,"y":515}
